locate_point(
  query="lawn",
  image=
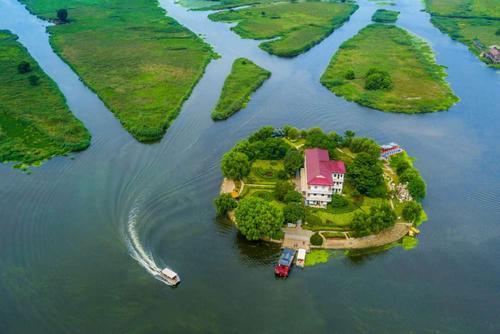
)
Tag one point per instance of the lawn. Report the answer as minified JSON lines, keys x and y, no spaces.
{"x":385,"y":16}
{"x":265,"y":172}
{"x":141,"y":63}
{"x":418,"y":82}
{"x":244,"y":79}
{"x":293,"y":27}
{"x":35,"y":122}
{"x":467,"y":21}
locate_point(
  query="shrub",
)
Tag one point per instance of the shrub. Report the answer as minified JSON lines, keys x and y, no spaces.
{"x":34,"y":80}
{"x":339,"y":201}
{"x":224,"y":203}
{"x":349,"y":75}
{"x":377,"y":79}
{"x":281,"y":189}
{"x":412,"y":211}
{"x":312,"y":219}
{"x":24,"y":67}
{"x":62,"y":15}
{"x":293,"y":196}
{"x":316,"y":239}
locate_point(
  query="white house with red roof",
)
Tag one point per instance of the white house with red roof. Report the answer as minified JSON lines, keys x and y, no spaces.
{"x":321,"y":177}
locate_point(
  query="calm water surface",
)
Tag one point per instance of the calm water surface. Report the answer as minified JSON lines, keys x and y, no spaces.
{"x":77,"y":236}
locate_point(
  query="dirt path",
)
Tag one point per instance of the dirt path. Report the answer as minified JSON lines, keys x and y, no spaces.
{"x":227,"y":186}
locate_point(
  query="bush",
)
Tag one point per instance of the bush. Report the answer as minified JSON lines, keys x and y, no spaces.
{"x":312,"y":219}
{"x":349,"y":75}
{"x":293,"y":133}
{"x":316,"y":239}
{"x":339,"y":201}
{"x":224,"y":203}
{"x":412,"y":211}
{"x":293,"y":196}
{"x":377,"y":79}
{"x":281,"y":189}
{"x":34,"y":80}
{"x":24,"y":67}
{"x":293,"y":212}
{"x":62,"y":15}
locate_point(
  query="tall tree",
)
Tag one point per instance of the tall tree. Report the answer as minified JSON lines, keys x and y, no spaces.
{"x":365,"y":173}
{"x":235,"y":165}
{"x":257,"y":218}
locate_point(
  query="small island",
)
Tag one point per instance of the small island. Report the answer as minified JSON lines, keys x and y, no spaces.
{"x":35,"y":121}
{"x":307,"y":189}
{"x":245,"y":78}
{"x":386,"y":68}
{"x":293,"y":27}
{"x":385,"y":16}
{"x":476,"y":24}
{"x":140,"y":62}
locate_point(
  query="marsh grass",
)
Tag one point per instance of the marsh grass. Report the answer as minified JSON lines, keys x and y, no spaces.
{"x":385,"y":16}
{"x":142,"y":63}
{"x":244,"y":79}
{"x":35,"y":122}
{"x":293,"y":27}
{"x":418,"y":82}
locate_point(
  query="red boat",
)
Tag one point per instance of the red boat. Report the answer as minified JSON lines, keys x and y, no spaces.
{"x":282,"y":269}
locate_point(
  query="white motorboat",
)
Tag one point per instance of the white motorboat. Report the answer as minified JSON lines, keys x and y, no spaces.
{"x":170,"y":276}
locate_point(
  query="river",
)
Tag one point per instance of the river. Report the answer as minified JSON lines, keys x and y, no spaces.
{"x":78,"y":235}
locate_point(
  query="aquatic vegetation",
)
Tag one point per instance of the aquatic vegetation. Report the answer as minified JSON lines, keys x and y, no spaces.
{"x":35,"y":122}
{"x":316,"y":256}
{"x":142,"y":63}
{"x":385,"y":16}
{"x":474,"y":23}
{"x":418,"y":83}
{"x":409,"y":242}
{"x":244,"y":79}
{"x":293,"y":28}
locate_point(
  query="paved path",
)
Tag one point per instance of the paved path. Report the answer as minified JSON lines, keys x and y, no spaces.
{"x":383,"y":238}
{"x":296,"y":237}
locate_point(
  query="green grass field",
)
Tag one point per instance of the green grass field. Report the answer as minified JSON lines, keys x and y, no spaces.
{"x":35,"y":122}
{"x":244,"y":79}
{"x":385,"y":16}
{"x":467,"y":21}
{"x":294,"y":27}
{"x":220,"y":4}
{"x":141,"y":63}
{"x":418,"y":82}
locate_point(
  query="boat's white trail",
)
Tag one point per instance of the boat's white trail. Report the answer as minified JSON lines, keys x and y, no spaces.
{"x":136,"y":250}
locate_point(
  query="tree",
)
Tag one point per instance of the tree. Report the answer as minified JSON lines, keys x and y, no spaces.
{"x":412,"y":211}
{"x":365,"y":173}
{"x":293,"y":161}
{"x":62,"y":15}
{"x":281,"y":189}
{"x":235,"y":165}
{"x":293,"y":196}
{"x":349,"y":75}
{"x":293,"y":133}
{"x":378,"y":219}
{"x":348,"y":137}
{"x":339,"y":201}
{"x":377,"y":79}
{"x":34,"y":80}
{"x":416,"y":185}
{"x":224,"y":203}
{"x":366,"y":145}
{"x":269,"y":149}
{"x":262,"y":134}
{"x":24,"y":67}
{"x":316,"y":138}
{"x":256,"y":218}
{"x":294,"y":212}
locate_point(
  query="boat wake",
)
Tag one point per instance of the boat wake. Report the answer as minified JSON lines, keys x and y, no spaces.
{"x":136,"y":250}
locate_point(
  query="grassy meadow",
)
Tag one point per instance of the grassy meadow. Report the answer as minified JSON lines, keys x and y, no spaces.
{"x":35,"y":122}
{"x":418,"y":82}
{"x":293,"y":27}
{"x":244,"y":79}
{"x":475,"y":23}
{"x":141,"y":63}
{"x":385,"y":16}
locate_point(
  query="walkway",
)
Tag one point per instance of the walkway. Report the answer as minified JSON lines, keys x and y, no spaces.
{"x":296,"y":237}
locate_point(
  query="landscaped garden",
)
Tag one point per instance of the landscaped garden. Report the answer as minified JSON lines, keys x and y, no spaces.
{"x":294,"y":27}
{"x":35,"y":121}
{"x":377,"y":194}
{"x":142,"y":63}
{"x":476,"y":23}
{"x":245,"y":78}
{"x":386,"y":68}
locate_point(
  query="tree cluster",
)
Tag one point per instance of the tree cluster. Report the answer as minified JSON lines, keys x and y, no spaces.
{"x":376,"y":79}
{"x":224,"y":203}
{"x":378,"y":219}
{"x":257,"y":218}
{"x":366,"y":175}
{"x":408,"y":174}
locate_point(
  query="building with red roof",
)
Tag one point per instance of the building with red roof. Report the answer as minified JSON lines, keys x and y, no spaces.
{"x":321,"y":177}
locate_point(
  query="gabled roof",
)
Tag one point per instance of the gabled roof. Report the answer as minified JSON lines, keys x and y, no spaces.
{"x":319,"y":167}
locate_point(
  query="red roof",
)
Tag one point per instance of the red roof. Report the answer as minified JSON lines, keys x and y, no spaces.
{"x":319,"y":167}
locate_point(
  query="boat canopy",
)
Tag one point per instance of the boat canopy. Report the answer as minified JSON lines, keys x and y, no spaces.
{"x":301,"y":254}
{"x":286,"y":257}
{"x":169,"y":273}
